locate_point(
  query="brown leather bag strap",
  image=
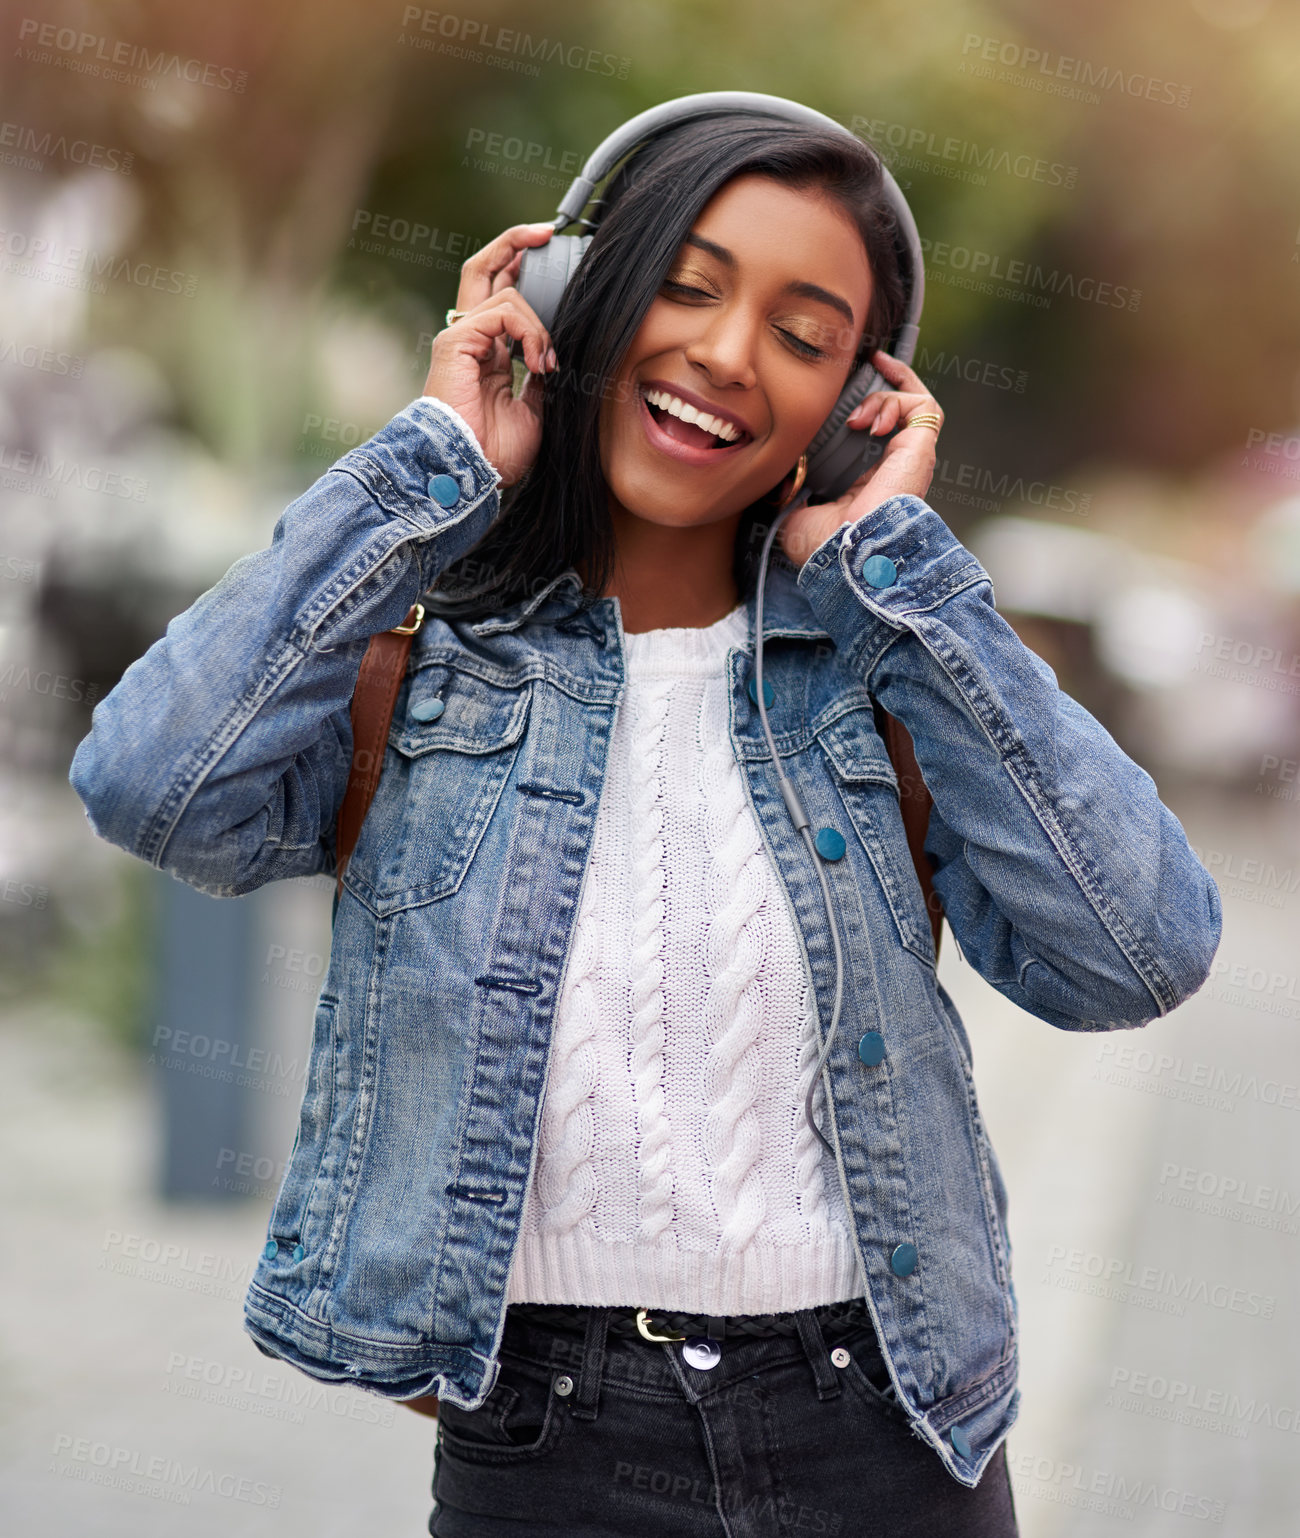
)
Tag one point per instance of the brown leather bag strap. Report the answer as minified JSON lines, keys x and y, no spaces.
{"x":382,"y":669}
{"x":914,"y":801}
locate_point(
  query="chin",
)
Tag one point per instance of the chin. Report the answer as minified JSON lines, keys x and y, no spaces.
{"x":672,"y":506}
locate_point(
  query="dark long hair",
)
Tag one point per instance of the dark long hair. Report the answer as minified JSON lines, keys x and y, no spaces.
{"x":557,"y":515}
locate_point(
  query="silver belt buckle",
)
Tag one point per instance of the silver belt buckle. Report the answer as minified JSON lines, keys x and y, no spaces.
{"x":700,"y":1351}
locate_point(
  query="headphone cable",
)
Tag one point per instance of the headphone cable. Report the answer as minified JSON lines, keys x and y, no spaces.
{"x":801,"y":822}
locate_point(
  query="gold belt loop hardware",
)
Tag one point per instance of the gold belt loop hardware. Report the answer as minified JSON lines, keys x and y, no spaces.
{"x":641,"y":1316}
{"x":405,"y":628}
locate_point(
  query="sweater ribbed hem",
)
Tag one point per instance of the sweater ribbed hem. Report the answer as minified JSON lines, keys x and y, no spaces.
{"x":577,"y":1269}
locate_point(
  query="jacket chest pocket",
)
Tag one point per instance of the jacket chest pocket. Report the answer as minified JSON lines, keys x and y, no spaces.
{"x":451,"y":747}
{"x":868,"y":786}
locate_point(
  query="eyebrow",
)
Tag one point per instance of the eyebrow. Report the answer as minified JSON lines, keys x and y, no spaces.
{"x":804,"y":290}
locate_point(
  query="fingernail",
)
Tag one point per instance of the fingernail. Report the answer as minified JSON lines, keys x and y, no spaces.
{"x":551,"y":359}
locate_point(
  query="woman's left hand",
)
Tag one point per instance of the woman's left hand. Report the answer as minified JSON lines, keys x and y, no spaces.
{"x":907,"y":465}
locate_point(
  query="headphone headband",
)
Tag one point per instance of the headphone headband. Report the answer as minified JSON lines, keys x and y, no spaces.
{"x":680,"y":109}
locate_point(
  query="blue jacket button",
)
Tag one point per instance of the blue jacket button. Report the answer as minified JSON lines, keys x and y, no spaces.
{"x":444,"y":489}
{"x":960,"y":1441}
{"x":879,"y":570}
{"x":272,"y":1249}
{"x":769,"y":694}
{"x":298,"y":1252}
{"x":903,"y":1261}
{"x":829,"y":843}
{"x":871,"y":1048}
{"x":427,"y":710}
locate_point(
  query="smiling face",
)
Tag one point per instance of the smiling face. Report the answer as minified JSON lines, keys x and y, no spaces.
{"x":740,"y":357}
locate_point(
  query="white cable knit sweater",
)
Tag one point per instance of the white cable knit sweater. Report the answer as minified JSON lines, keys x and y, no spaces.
{"x":675,"y":1168}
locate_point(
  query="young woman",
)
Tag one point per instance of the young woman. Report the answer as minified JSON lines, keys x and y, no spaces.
{"x":554,"y":1176}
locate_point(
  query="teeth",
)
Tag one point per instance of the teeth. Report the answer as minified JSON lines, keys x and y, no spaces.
{"x":718,"y":426}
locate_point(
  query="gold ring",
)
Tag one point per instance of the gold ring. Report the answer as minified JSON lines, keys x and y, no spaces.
{"x":924,"y":419}
{"x":454,"y":315}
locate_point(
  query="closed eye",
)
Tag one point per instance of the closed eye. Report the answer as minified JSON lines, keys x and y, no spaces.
{"x":804,"y":349}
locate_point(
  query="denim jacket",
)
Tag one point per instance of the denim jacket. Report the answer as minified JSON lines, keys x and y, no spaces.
{"x":222,"y":756}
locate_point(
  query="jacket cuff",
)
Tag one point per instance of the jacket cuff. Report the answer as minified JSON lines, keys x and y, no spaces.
{"x":459,"y":421}
{"x":426,"y":468}
{"x":868,"y":578}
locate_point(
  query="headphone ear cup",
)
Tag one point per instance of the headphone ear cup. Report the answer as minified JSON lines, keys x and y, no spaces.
{"x":544,"y":271}
{"x":838,"y":455}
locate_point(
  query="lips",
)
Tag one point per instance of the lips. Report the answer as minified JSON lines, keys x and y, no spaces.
{"x":687,"y":442}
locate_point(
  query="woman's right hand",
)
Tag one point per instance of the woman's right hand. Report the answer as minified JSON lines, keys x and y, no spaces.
{"x":470,"y":366}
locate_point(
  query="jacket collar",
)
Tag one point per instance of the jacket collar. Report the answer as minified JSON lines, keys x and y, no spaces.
{"x":786,"y":611}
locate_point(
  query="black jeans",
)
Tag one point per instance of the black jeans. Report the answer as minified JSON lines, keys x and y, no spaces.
{"x":591,"y":1434}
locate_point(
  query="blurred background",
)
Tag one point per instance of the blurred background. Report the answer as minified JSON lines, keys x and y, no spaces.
{"x":227,"y":236}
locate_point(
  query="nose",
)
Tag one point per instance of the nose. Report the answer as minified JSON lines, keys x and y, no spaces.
{"x":723,"y":348}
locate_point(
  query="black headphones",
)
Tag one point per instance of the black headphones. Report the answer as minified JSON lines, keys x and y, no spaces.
{"x":838,"y":455}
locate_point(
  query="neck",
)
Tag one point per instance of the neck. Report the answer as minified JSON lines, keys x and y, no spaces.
{"x":665,"y":576}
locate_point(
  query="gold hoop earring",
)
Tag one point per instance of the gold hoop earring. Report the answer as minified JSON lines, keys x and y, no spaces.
{"x":800,"y":473}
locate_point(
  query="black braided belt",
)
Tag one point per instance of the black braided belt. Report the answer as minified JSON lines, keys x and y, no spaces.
{"x":664,"y":1322}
